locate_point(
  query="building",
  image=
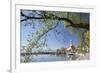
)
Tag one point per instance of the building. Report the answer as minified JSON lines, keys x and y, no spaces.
{"x":71,"y":49}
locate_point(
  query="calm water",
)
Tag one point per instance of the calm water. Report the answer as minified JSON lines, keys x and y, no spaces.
{"x":48,"y":57}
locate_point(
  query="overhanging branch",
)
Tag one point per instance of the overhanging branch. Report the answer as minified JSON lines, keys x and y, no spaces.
{"x":81,"y":25}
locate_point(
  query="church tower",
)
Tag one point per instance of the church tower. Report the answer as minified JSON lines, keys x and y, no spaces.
{"x":71,"y":47}
{"x":71,"y":43}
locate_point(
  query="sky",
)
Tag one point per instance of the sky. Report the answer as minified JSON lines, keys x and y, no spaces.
{"x":54,"y":41}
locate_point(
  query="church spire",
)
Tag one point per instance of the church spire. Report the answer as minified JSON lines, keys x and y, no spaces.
{"x":71,"y":43}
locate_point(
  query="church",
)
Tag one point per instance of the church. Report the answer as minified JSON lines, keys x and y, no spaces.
{"x":71,"y":49}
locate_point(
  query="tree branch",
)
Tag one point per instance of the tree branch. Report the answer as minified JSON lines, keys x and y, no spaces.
{"x":53,"y":17}
{"x":39,"y":37}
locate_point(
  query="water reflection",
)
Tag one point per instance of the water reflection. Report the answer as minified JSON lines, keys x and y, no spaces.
{"x":49,"y":57}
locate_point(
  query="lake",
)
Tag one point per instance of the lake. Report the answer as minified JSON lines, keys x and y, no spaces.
{"x":48,"y":58}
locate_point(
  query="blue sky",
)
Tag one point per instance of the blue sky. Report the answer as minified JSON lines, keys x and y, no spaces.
{"x":54,"y":41}
{"x":63,"y":39}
